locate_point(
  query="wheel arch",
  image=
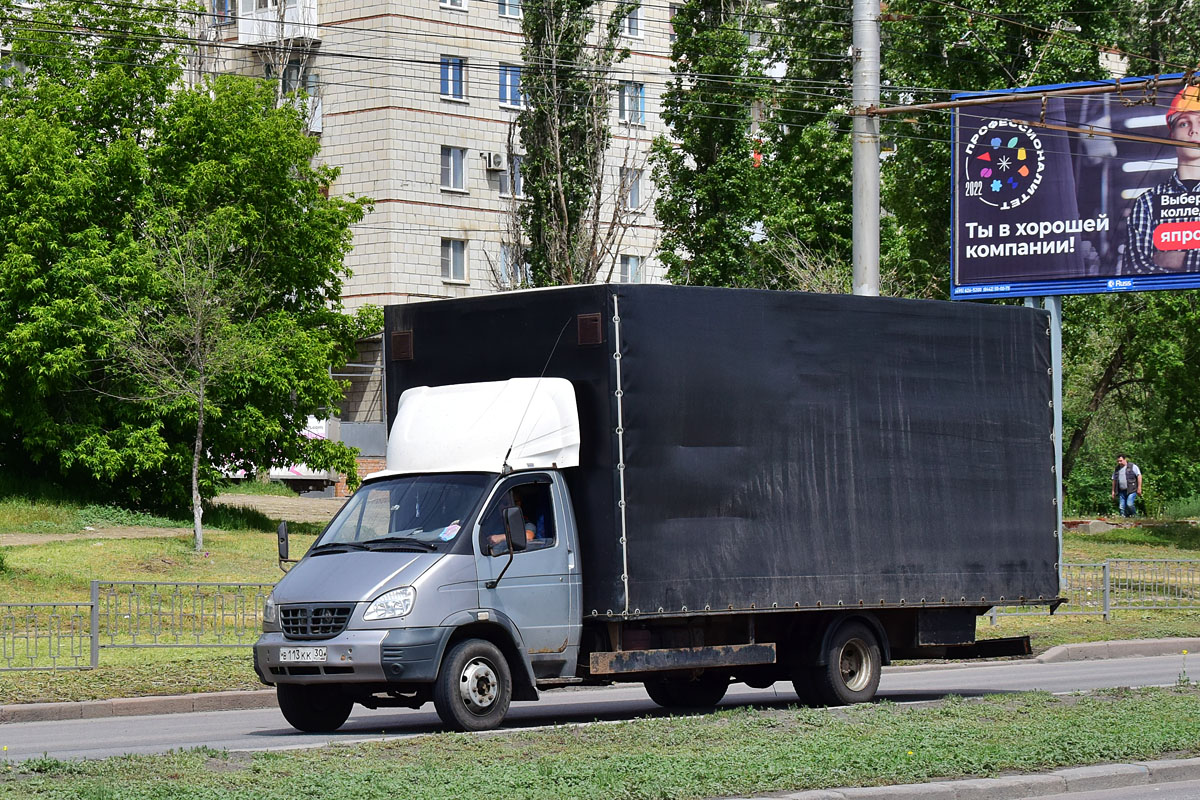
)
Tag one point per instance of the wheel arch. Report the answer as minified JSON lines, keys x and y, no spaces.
{"x":835,"y":624}
{"x":502,"y":633}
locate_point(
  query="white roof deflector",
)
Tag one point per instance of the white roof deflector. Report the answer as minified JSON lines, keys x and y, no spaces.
{"x":469,"y":427}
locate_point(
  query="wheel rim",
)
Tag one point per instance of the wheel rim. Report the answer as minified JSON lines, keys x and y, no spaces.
{"x":855,"y":665}
{"x":478,"y":686}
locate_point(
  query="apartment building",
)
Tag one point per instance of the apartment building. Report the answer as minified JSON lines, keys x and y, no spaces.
{"x":415,"y":102}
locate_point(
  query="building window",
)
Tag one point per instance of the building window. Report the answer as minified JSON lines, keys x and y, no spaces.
{"x":454,"y":168}
{"x":631,"y":188}
{"x":461,"y":5}
{"x":454,"y":260}
{"x":630,"y":269}
{"x":632,"y":24}
{"x":631,"y":103}
{"x":223,"y":11}
{"x":295,"y":78}
{"x":453,"y":84}
{"x":511,"y":184}
{"x":514,"y":272}
{"x":672,"y":10}
{"x":510,"y":85}
{"x":510,"y":8}
{"x":249,"y":6}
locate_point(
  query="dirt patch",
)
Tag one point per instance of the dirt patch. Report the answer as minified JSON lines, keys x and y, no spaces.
{"x":293,"y":509}
{"x":118,"y":532}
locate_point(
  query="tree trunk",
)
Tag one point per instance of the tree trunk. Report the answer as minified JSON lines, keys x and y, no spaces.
{"x":1103,"y":387}
{"x":197,"y":509}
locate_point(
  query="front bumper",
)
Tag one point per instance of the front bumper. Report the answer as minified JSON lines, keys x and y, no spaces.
{"x":401,"y":655}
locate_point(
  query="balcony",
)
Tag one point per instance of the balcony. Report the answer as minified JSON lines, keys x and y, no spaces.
{"x":260,"y":21}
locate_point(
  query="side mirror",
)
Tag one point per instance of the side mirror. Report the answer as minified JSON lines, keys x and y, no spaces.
{"x":282,"y":534}
{"x":514,"y":522}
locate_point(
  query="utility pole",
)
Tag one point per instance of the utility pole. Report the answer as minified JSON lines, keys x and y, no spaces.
{"x":865,"y":146}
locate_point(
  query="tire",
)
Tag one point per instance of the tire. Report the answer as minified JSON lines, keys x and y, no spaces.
{"x":474,"y":687}
{"x":313,"y":709}
{"x":702,"y":691}
{"x":853,"y":663}
{"x":804,"y":685}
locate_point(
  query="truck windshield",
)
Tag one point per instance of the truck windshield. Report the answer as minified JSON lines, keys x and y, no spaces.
{"x":418,"y":512}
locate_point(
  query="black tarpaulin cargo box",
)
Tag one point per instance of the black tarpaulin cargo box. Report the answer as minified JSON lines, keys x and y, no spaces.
{"x":749,"y":449}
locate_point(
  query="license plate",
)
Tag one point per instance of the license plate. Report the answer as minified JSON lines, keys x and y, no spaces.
{"x":303,"y":654}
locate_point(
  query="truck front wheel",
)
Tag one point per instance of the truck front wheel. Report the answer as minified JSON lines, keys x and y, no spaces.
{"x":313,"y":709}
{"x":850,"y":674}
{"x":701,"y":691}
{"x":474,"y":686}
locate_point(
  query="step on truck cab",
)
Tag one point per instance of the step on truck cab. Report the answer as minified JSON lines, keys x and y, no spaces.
{"x":680,"y":487}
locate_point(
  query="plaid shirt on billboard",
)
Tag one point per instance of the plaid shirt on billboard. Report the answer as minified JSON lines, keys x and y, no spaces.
{"x":1139,"y":247}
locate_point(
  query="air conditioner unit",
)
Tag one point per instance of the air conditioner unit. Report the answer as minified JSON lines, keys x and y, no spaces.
{"x":494,"y":161}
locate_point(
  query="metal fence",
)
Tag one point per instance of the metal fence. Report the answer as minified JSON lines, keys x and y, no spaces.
{"x":47,"y":636}
{"x":146,"y":614}
{"x":124,"y":614}
{"x":1131,"y":584}
{"x":1126,"y":584}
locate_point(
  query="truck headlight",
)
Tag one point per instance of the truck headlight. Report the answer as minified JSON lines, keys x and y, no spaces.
{"x":395,"y":603}
{"x":269,"y":613}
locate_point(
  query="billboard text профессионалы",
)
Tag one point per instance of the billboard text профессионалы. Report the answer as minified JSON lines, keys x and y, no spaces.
{"x":1042,"y":211}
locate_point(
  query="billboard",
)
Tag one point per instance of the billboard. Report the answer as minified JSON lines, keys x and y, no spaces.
{"x":1045,"y":204}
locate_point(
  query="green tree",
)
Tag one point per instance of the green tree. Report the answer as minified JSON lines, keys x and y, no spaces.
{"x":755,"y":177}
{"x":712,"y":193}
{"x":570,"y":49}
{"x":81,"y":93}
{"x":196,"y":328}
{"x":228,"y":153}
{"x":97,"y":151}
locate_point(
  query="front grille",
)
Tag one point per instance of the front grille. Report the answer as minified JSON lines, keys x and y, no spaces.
{"x":313,"y":621}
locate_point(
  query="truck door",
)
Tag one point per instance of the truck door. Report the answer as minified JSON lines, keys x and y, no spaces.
{"x":540,"y":590}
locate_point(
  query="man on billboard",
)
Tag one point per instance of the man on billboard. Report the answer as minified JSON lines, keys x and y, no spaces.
{"x":1164,"y":225}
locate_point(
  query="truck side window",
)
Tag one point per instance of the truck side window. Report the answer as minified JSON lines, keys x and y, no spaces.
{"x":374,"y":520}
{"x":538,"y":510}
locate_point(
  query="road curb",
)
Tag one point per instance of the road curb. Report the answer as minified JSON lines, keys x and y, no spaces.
{"x":1120,"y":649}
{"x":138,"y":706}
{"x":265,"y":698}
{"x":1085,"y":651}
{"x":1019,"y":787}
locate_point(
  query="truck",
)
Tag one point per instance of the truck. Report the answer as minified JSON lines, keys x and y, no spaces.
{"x":683,"y":487}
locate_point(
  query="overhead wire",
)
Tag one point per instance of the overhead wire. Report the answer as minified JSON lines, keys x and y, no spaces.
{"x":824,"y":96}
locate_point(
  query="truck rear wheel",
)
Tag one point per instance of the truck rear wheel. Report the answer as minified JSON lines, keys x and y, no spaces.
{"x":701,"y":691}
{"x":474,"y":686}
{"x":850,"y":674}
{"x":313,"y":709}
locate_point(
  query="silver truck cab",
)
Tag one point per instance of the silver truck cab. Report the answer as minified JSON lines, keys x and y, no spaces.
{"x":458,"y":583}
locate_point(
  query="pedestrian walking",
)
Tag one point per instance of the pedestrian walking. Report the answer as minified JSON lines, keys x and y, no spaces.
{"x":1126,"y":485}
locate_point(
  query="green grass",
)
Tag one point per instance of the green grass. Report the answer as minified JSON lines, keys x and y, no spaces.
{"x":740,"y":751}
{"x":1183,"y":509}
{"x":1161,"y":540}
{"x":22,"y":515}
{"x":62,"y":571}
{"x":136,"y":673}
{"x":274,"y":488}
{"x":1045,"y":631}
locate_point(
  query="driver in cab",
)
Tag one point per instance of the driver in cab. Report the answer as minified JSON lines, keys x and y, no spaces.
{"x":493,"y":523}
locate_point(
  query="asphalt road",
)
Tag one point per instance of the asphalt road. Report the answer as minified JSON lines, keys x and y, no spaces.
{"x":266,"y":729}
{"x":1183,"y":790}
